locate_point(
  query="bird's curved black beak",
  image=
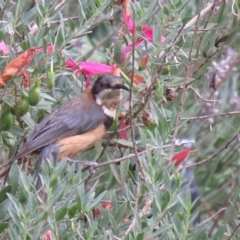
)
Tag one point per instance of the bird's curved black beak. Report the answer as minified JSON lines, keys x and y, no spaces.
{"x":120,"y":86}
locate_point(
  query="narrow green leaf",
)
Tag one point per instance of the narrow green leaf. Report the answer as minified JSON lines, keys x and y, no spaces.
{"x":4,"y":191}
{"x":14,"y":177}
{"x":60,"y":214}
{"x":43,"y":216}
{"x":97,"y":199}
{"x":121,"y":211}
{"x":140,"y":236}
{"x":123,"y":142}
{"x":72,"y":211}
{"x":161,"y":229}
{"x":165,"y":11}
{"x":124,"y":166}
{"x":116,"y":172}
{"x":4,"y":207}
{"x":71,"y":25}
{"x":16,"y":219}
{"x":3,"y":226}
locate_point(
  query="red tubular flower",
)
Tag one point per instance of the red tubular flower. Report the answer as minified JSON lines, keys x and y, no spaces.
{"x":146,"y":31}
{"x":130,"y":24}
{"x":47,"y":235}
{"x":92,"y":68}
{"x":129,"y":47}
{"x":181,"y":156}
{"x":105,"y":205}
{"x":123,"y":130}
{"x":49,"y":49}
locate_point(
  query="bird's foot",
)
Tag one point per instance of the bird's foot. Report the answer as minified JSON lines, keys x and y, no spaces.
{"x":87,"y":163}
{"x":91,"y":166}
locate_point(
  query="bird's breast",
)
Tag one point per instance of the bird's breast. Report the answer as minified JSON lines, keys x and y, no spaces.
{"x":71,"y":146}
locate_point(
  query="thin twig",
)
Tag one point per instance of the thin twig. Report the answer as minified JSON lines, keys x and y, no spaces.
{"x":188,"y":74}
{"x":210,"y":212}
{"x":198,"y":78}
{"x":205,"y":61}
{"x":177,"y":35}
{"x":204,"y":27}
{"x":117,"y":160}
{"x":202,"y":13}
{"x":209,"y":116}
{"x":61,"y":4}
{"x":201,"y":98}
{"x":34,"y":27}
{"x":215,"y":154}
{"x":141,"y":214}
{"x":131,"y":111}
{"x":146,"y":96}
{"x":213,"y":216}
{"x":59,"y":22}
{"x":100,"y":44}
{"x":234,"y":231}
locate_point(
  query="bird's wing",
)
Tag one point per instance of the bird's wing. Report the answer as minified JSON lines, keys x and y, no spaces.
{"x":71,"y":118}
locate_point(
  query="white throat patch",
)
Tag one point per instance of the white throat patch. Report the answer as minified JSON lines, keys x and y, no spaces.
{"x":99,"y":101}
{"x":109,"y":112}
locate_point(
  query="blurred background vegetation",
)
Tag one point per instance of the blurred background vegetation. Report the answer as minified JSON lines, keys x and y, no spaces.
{"x":191,"y":73}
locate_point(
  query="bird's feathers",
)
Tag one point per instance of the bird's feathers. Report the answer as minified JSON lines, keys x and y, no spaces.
{"x":71,"y":118}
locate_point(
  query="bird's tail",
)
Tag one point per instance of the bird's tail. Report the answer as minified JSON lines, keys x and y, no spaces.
{"x":46,"y":152}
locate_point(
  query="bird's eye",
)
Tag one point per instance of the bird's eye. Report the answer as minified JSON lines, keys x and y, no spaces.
{"x":101,"y":85}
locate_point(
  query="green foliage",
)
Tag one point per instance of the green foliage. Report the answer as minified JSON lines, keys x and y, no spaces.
{"x":151,"y":201}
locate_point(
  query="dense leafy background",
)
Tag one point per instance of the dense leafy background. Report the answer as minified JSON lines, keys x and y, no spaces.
{"x":66,"y":205}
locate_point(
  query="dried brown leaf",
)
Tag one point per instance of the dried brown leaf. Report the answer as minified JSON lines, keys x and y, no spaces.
{"x":16,"y":67}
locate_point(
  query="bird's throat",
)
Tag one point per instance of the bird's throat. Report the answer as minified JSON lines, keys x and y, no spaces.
{"x":109,"y":102}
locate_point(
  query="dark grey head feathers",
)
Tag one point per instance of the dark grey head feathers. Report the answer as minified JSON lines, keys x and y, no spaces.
{"x":107,"y":81}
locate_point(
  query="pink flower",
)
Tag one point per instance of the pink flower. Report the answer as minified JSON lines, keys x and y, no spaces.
{"x":47,"y":235}
{"x":49,"y":49}
{"x":4,"y":48}
{"x":92,"y":68}
{"x":130,"y":24}
{"x":129,"y":47}
{"x":146,"y":31}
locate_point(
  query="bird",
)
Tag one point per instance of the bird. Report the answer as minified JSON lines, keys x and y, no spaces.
{"x":76,"y":125}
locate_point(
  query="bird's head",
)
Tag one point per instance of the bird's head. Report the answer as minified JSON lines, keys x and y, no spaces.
{"x":106,"y":91}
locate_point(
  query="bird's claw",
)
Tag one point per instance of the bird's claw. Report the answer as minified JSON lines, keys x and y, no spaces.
{"x":92,"y":170}
{"x":87,"y":163}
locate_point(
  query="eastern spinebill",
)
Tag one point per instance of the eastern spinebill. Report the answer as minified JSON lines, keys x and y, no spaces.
{"x":77,"y":124}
